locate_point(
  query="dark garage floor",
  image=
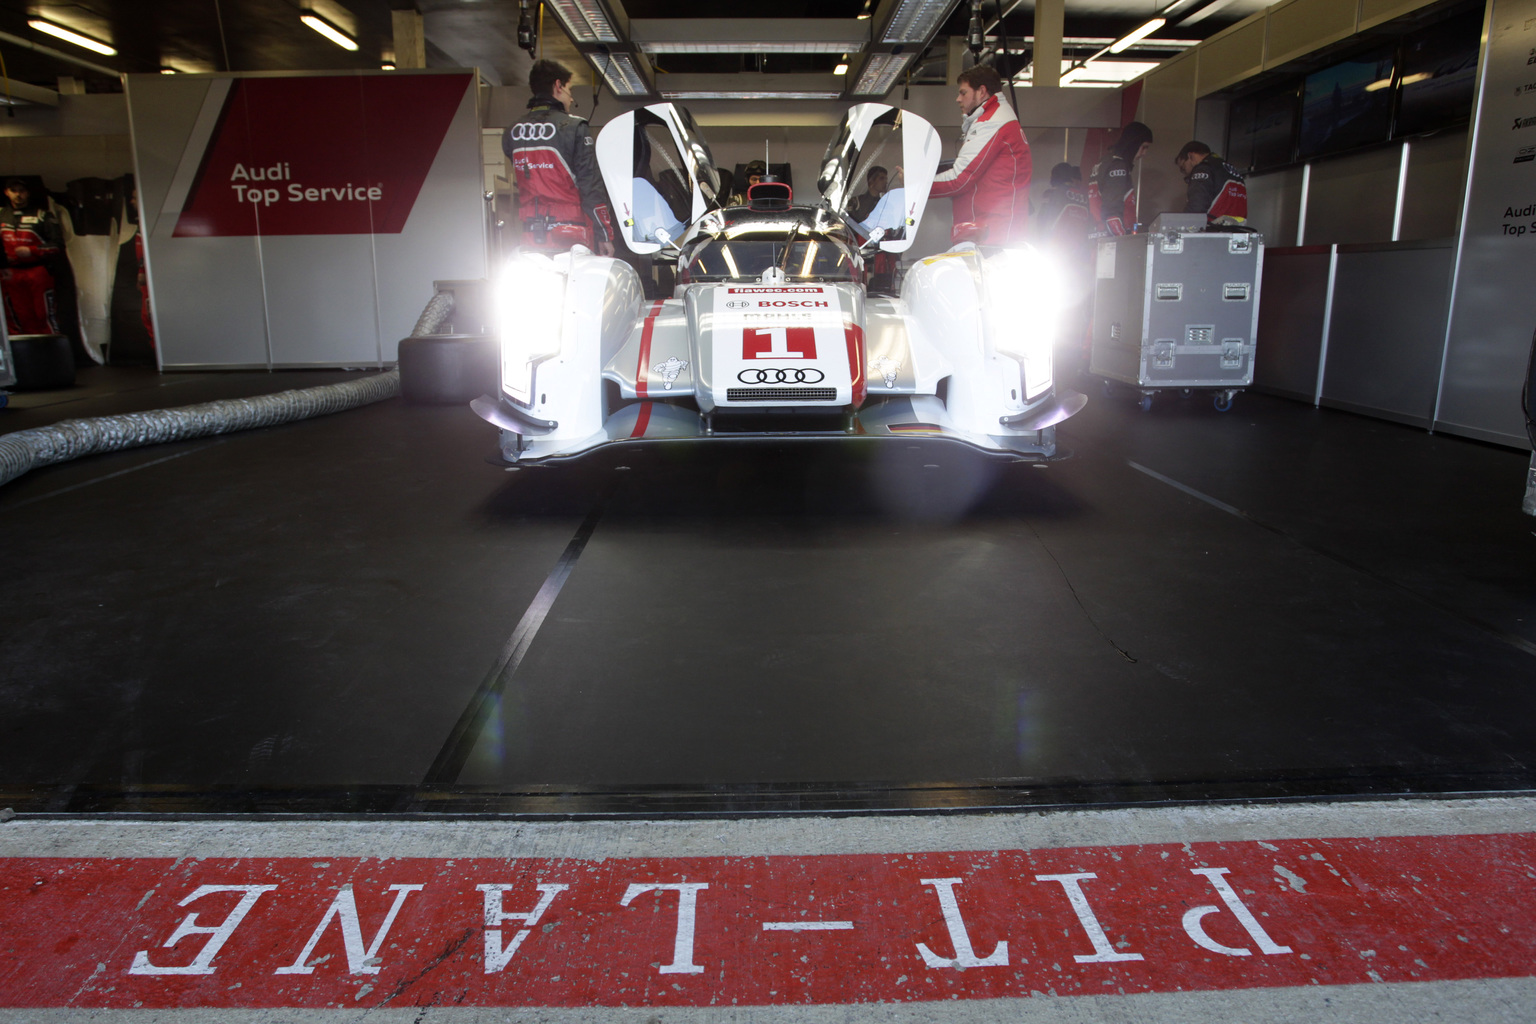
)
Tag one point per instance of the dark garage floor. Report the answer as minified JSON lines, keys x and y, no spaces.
{"x":1276,"y":602}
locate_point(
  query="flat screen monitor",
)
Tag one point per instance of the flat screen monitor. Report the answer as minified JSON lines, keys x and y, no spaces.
{"x":1439,"y":74}
{"x":1348,"y":104}
{"x":1261,"y":131}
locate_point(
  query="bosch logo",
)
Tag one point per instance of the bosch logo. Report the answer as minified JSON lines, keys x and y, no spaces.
{"x":738,"y":304}
{"x":532,"y":131}
{"x":807,"y":375}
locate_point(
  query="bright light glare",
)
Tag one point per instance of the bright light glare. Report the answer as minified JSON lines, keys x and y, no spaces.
{"x":841,"y":69}
{"x":330,"y":32}
{"x":1138,"y":35}
{"x":530,"y":306}
{"x":60,"y":32}
{"x":1024,"y":297}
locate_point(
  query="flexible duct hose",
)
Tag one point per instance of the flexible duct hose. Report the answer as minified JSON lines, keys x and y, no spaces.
{"x":70,"y":439}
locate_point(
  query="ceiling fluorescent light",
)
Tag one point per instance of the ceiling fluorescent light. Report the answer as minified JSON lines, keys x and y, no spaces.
{"x":688,"y":94}
{"x":841,"y":69}
{"x":744,"y":46}
{"x":584,"y":20}
{"x":60,"y":32}
{"x":916,"y":20}
{"x":880,"y":73}
{"x":330,"y":31}
{"x":621,"y":74}
{"x":1138,"y":35}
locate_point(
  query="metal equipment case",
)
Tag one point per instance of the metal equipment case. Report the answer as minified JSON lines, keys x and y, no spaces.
{"x":1176,"y":308}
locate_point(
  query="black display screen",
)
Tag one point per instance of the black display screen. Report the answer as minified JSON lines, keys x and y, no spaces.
{"x":1439,"y":74}
{"x":1261,"y":130}
{"x":1347,"y":105}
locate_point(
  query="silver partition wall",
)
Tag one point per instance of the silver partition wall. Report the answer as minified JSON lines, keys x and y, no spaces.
{"x":1293,"y":308}
{"x":1493,"y":311}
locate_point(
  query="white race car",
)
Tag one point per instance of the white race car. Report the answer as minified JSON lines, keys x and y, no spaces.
{"x":770,"y":330}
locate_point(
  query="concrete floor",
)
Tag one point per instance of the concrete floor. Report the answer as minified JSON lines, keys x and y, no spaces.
{"x":1275,"y":602}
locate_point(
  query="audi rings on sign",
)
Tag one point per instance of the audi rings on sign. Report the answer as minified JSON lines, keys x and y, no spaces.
{"x":779,"y":375}
{"x":532,"y":131}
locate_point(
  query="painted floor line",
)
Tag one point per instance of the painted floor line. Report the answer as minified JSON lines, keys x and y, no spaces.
{"x":807,"y":926}
{"x":1517,"y":642}
{"x":109,"y":476}
{"x":461,"y":740}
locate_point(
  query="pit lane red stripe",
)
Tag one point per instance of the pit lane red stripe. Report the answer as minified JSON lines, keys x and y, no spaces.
{"x":704,"y":931}
{"x":645,"y":349}
{"x":855,"y":335}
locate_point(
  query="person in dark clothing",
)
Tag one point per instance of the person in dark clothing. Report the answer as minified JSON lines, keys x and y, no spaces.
{"x":1062,"y":221}
{"x":561,"y":200}
{"x":753,"y":173}
{"x":33,"y":238}
{"x":876,"y":179}
{"x":1112,"y":186}
{"x":1216,"y":189}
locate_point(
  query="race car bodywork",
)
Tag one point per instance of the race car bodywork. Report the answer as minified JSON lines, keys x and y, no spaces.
{"x":770,"y":331}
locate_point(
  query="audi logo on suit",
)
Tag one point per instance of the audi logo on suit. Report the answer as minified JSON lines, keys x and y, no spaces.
{"x":532,"y":131}
{"x":774,"y":375}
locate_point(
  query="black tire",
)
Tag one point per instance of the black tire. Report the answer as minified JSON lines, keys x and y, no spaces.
{"x":43,"y":362}
{"x":448,"y":369}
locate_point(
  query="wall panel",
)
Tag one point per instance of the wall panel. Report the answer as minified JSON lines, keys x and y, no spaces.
{"x":1301,"y":26}
{"x":1353,"y":198}
{"x":1231,"y":56}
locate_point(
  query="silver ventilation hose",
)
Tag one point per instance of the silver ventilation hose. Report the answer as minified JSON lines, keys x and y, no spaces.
{"x":70,"y":439}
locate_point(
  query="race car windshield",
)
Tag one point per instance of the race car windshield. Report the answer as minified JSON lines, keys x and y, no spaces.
{"x":741,"y":259}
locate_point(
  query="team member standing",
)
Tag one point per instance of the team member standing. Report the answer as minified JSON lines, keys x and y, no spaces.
{"x":33,"y":238}
{"x":989,"y":180}
{"x":1112,"y":186}
{"x":1215,"y":187}
{"x":561,"y":201}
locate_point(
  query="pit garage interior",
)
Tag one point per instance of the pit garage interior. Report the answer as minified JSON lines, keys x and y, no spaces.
{"x":356,"y":650}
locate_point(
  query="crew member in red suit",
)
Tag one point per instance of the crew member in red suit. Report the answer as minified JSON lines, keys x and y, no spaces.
{"x":32,"y":237}
{"x":1112,"y":185}
{"x":989,"y":180}
{"x":1216,"y":189}
{"x":560,"y":196}
{"x":138,"y":262}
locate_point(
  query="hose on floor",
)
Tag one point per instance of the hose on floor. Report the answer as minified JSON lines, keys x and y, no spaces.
{"x":24,"y":450}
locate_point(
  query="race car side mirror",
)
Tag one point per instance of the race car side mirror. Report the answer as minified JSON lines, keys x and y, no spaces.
{"x":872,"y":243}
{"x":665,"y":239}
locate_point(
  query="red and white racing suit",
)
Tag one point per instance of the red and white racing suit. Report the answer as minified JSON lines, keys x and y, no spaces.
{"x":989,"y":180}
{"x":1217,"y":190}
{"x":560,"y":196}
{"x":31,"y":237}
{"x":1112,"y":196}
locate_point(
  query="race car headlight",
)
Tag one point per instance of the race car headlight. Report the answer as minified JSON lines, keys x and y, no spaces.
{"x":1023,"y":307}
{"x":530,"y":306}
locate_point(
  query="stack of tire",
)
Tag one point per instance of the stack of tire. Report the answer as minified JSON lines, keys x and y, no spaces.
{"x":449,"y":368}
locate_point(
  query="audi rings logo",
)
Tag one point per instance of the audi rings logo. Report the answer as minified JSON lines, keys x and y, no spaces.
{"x":738,"y":304}
{"x":532,"y":131}
{"x":775,"y":375}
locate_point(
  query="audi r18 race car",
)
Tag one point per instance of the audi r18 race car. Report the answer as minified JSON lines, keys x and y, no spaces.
{"x":770,"y":330}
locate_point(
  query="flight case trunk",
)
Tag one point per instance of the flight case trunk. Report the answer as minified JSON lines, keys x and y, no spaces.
{"x":1176,"y":309}
{"x":7,"y":365}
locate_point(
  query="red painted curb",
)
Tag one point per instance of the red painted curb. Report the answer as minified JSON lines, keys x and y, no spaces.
{"x":763,"y":930}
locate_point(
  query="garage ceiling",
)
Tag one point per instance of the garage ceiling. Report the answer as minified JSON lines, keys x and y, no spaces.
{"x":267,"y":35}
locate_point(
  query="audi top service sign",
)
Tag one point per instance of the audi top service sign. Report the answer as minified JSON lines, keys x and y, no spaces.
{"x":341,"y":155}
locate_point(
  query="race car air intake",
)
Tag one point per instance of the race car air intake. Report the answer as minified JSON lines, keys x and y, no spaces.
{"x":70,"y":439}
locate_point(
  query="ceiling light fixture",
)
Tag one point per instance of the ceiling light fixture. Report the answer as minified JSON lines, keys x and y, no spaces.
{"x":585,"y":21}
{"x":167,"y":71}
{"x":880,"y":73}
{"x":330,"y":31}
{"x":1138,"y":35}
{"x":773,"y":94}
{"x":841,"y":69}
{"x":386,"y":66}
{"x":70,"y":36}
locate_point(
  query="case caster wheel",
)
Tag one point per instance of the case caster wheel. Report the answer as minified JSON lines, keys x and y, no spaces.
{"x":1145,"y":403}
{"x":5,"y":399}
{"x":1222,"y":401}
{"x":1109,"y":389}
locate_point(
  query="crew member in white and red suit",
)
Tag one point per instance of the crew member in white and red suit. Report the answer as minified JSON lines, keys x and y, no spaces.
{"x":32,"y":239}
{"x":989,"y":180}
{"x":560,"y":197}
{"x":1216,"y":189}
